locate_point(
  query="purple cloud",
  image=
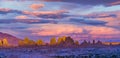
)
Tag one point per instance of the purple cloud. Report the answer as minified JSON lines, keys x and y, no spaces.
{"x":88,"y":21}
{"x":27,"y":21}
{"x":86,"y":2}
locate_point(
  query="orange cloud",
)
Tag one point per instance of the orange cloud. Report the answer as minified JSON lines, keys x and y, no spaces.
{"x":36,"y":6}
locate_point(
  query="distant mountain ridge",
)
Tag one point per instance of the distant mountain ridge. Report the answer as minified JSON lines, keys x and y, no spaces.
{"x":11,"y":39}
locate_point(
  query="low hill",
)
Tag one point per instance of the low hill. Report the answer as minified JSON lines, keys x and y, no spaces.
{"x":11,"y":39}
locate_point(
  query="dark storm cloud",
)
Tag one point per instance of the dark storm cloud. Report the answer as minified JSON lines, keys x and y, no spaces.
{"x":27,"y":21}
{"x":88,"y":22}
{"x":87,"y":2}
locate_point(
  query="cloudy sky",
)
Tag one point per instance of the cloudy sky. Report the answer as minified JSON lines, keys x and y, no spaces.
{"x":80,"y":19}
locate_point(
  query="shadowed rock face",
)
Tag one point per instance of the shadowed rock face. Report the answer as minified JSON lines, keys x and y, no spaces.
{"x":68,"y":42}
{"x":11,"y":39}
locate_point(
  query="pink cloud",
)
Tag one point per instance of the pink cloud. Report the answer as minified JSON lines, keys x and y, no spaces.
{"x":102,"y":30}
{"x":21,"y":17}
{"x":68,"y":29}
{"x":36,"y":6}
{"x":105,"y":16}
{"x":5,"y":9}
{"x":55,"y":29}
{"x":115,"y":3}
{"x":34,"y":13}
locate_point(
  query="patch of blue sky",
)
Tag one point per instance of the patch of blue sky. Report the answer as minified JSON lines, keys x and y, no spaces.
{"x":96,"y":9}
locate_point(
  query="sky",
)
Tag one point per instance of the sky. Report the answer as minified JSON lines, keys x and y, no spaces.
{"x":43,"y":19}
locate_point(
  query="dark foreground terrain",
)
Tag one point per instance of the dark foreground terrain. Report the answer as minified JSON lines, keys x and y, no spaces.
{"x":107,"y":52}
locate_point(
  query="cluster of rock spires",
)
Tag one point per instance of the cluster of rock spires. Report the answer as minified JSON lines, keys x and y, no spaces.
{"x":61,"y":42}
